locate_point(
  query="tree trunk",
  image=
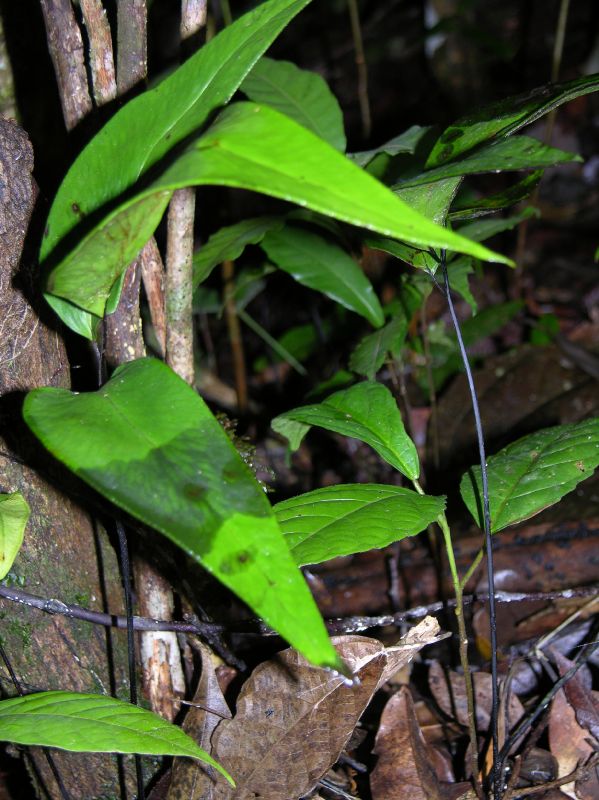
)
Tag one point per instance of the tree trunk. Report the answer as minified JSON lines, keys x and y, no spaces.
{"x":65,"y":556}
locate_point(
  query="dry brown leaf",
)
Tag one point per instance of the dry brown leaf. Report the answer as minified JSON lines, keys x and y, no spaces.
{"x":583,"y":700}
{"x":403,"y":770}
{"x":294,"y":719}
{"x":453,"y":702}
{"x":566,"y":740}
{"x":189,"y":780}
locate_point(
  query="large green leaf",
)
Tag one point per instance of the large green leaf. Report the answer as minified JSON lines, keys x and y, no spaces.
{"x":370,"y":353}
{"x":406,"y":142}
{"x":366,"y":411}
{"x":150,"y":125}
{"x":250,"y":147}
{"x":228,"y":244}
{"x":517,"y":152}
{"x":506,"y":117}
{"x":302,"y":95}
{"x":482,"y":229}
{"x":534,"y":472}
{"x":466,"y":208}
{"x":94,"y":723}
{"x":14,"y":515}
{"x":341,"y":520}
{"x":150,"y":444}
{"x":324,"y":266}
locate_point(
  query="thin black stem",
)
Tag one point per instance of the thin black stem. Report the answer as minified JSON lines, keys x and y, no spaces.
{"x":487,"y":529}
{"x":20,"y":691}
{"x":126,"y":571}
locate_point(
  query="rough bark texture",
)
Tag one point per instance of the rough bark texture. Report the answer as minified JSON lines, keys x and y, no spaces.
{"x":124,"y":340}
{"x":63,"y":556}
{"x":66,"y":49}
{"x":101,"y":59}
{"x":132,"y":44}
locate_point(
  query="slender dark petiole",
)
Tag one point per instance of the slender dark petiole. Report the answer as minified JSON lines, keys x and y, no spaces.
{"x":487,"y":529}
{"x":126,"y":571}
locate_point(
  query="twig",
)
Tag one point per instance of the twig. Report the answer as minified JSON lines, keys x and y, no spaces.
{"x":152,"y":274}
{"x":67,"y":52}
{"x":487,"y":530}
{"x":235,"y":337}
{"x":363,"y":97}
{"x":178,"y":288}
{"x":341,"y":625}
{"x":101,"y":59}
{"x":579,"y":772}
{"x":126,"y":574}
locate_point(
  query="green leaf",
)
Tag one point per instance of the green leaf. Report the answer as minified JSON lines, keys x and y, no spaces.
{"x":517,"y":152}
{"x":459,"y":271}
{"x":406,"y":142}
{"x":321,"y":265}
{"x":370,"y":353}
{"x":152,"y":124}
{"x":483,"y":229}
{"x":249,"y":147}
{"x":302,"y":95}
{"x":228,"y":244}
{"x":366,"y":411}
{"x":150,"y":444}
{"x":467,"y":208}
{"x":14,"y":515}
{"x":432,"y":201}
{"x":534,"y":472}
{"x":94,"y":723}
{"x":506,"y":117}
{"x":346,"y":519}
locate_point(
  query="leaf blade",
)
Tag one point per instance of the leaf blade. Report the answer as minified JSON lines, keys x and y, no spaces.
{"x":534,"y":472}
{"x":366,"y":411}
{"x":300,"y":94}
{"x":94,"y":724}
{"x":184,"y":477}
{"x":325,"y":267}
{"x":14,"y":515}
{"x":353,"y":518}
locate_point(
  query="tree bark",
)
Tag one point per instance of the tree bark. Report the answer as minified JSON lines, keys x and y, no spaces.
{"x":64,"y":556}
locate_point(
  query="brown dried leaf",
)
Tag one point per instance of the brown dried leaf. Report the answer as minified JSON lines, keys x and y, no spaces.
{"x":580,"y":696}
{"x":453,"y":701}
{"x":294,"y":719}
{"x":190,"y":780}
{"x":403,"y":770}
{"x":566,"y":740}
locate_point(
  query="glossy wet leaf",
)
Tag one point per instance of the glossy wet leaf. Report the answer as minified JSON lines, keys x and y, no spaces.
{"x":324,"y":266}
{"x":370,"y":353}
{"x":483,"y":229}
{"x":433,"y":201}
{"x":506,"y":117}
{"x":94,"y":723}
{"x":292,"y":721}
{"x":150,"y":125}
{"x":353,"y":518}
{"x":517,"y":152}
{"x":14,"y":515}
{"x":249,"y":147}
{"x":366,"y":411}
{"x":406,"y":142}
{"x":467,"y":208}
{"x":534,"y":472}
{"x":150,"y":444}
{"x":300,"y":94}
{"x":228,"y":244}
